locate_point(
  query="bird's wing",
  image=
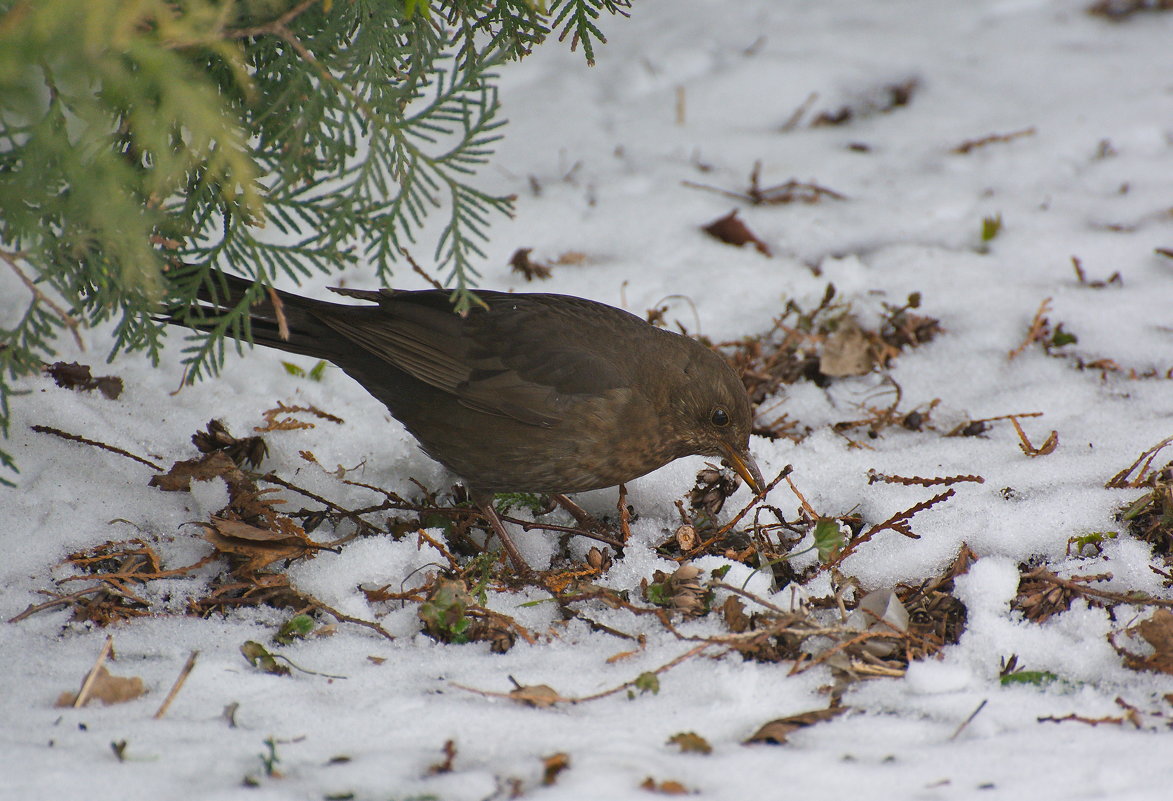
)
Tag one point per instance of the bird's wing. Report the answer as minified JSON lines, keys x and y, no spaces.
{"x":526,"y":358}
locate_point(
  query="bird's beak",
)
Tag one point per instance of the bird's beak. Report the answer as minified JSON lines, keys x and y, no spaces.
{"x":745,"y":466}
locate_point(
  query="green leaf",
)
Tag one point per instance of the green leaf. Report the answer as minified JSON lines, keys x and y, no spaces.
{"x":297,"y":627}
{"x":658,"y":594}
{"x":259,"y":657}
{"x":647,"y":682}
{"x":1039,"y":678}
{"x":828,"y":538}
{"x":991,"y":227}
{"x":1061,"y":337}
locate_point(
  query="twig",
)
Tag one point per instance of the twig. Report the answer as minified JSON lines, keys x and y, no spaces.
{"x":1036,"y":328}
{"x":918,"y":481}
{"x":896,"y":523}
{"x":973,"y":144}
{"x":1049,"y":446}
{"x":799,"y":112}
{"x":420,"y":270}
{"x":75,"y":438}
{"x":719,"y":585}
{"x":810,"y":510}
{"x":87,"y":685}
{"x":344,"y":618}
{"x":67,"y":319}
{"x":60,"y":600}
{"x":725,"y":529}
{"x":595,"y":697}
{"x":279,"y":28}
{"x":425,"y":537}
{"x":967,"y":721}
{"x":178,"y":685}
{"x":1121,"y":480}
{"x":1081,"y":588}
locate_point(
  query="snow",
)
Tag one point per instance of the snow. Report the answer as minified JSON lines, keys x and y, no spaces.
{"x":606,"y":150}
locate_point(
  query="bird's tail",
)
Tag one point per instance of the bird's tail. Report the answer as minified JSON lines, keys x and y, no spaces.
{"x":274,"y":318}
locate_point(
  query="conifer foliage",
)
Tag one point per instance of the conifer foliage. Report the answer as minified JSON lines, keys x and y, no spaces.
{"x":143,"y":142}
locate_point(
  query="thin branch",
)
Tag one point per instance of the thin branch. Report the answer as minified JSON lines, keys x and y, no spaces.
{"x":75,"y":438}
{"x":178,"y":685}
{"x":68,"y":320}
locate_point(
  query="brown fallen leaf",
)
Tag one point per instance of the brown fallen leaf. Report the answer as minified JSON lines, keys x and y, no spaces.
{"x":1157,"y":631}
{"x":733,"y":611}
{"x":241,"y":450}
{"x":520,"y":262}
{"x":732,"y":231}
{"x":691,"y":743}
{"x":77,"y":377}
{"x":847,"y":351}
{"x":259,"y":547}
{"x":776,"y":731}
{"x":217,"y":464}
{"x":666,"y":787}
{"x":554,"y":765}
{"x":536,"y":695}
{"x":107,"y":688}
{"x":449,"y":757}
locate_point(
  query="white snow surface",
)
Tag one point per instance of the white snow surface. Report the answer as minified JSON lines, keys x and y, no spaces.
{"x":608,"y":155}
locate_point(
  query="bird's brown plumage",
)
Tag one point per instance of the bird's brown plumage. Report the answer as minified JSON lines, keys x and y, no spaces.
{"x":531,"y":393}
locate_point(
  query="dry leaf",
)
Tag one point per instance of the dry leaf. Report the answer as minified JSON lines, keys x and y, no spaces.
{"x":619,"y":657}
{"x":108,"y":688}
{"x":732,"y":231}
{"x":520,"y":262}
{"x":536,"y":695}
{"x":553,"y":765}
{"x":847,"y":351}
{"x":1157,"y":631}
{"x":776,"y":731}
{"x":691,"y":743}
{"x":215,"y":464}
{"x":733,"y":611}
{"x":77,"y":377}
{"x":258,"y":546}
{"x":667,"y":787}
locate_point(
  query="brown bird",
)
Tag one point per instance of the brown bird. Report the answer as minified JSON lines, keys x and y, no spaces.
{"x":530,"y":393}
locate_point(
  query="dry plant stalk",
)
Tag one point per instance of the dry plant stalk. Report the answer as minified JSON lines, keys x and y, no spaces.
{"x":1049,"y":446}
{"x":973,"y":144}
{"x":918,"y":481}
{"x":1122,"y":481}
{"x":1036,"y":330}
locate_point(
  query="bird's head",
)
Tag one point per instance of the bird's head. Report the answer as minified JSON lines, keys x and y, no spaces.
{"x":713,"y":416}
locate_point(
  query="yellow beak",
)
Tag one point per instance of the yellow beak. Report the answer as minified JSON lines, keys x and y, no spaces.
{"x":745,"y":466}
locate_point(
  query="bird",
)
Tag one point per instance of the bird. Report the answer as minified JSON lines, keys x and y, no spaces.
{"x":526,"y":392}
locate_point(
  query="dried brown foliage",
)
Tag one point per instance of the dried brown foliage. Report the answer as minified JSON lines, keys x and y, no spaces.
{"x":1150,"y":516}
{"x":1120,"y":10}
{"x":77,"y":377}
{"x":791,"y":191}
{"x":522,"y":264}
{"x":733,"y":231}
{"x":824,"y":344}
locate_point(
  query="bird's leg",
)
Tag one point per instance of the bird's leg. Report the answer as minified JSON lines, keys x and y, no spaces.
{"x":498,"y":527}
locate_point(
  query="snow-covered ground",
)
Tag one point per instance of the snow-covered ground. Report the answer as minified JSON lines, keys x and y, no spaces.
{"x":693,"y":91}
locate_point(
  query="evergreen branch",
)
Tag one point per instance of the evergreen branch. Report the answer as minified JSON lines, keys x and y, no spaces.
{"x":66,"y":318}
{"x":144,"y":144}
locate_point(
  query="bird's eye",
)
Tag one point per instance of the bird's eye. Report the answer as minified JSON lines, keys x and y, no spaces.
{"x":720,"y":418}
